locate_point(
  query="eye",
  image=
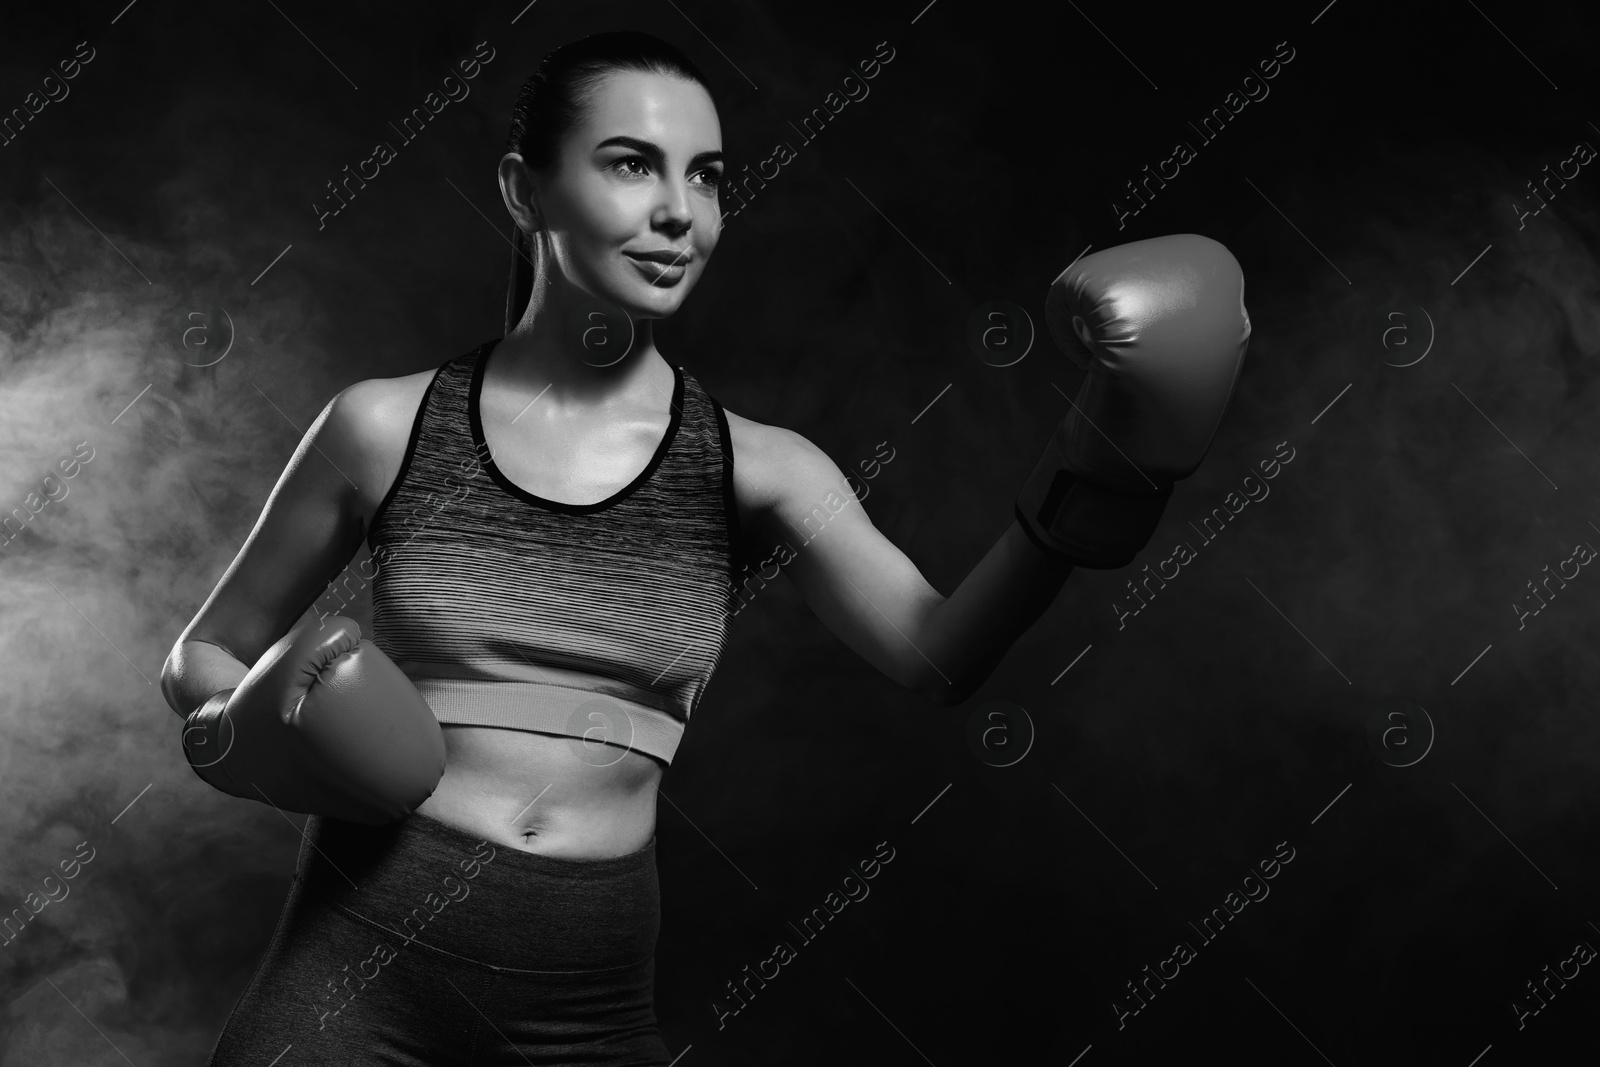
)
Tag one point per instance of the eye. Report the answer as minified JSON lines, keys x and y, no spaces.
{"x":638,"y":161}
{"x":713,"y":178}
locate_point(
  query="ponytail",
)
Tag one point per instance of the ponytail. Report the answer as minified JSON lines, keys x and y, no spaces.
{"x":520,"y":287}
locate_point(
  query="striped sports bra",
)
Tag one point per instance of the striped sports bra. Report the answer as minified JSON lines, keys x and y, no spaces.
{"x":600,"y":621}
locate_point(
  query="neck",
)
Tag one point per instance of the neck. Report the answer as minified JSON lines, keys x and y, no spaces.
{"x":546,"y":354}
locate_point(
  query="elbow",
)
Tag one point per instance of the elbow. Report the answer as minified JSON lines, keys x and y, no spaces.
{"x":177,"y":667}
{"x":169,"y":680}
{"x":195,"y":669}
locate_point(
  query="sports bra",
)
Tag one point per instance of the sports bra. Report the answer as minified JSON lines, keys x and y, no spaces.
{"x":600,"y":621}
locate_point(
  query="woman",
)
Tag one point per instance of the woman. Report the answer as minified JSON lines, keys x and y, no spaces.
{"x":561,"y":610}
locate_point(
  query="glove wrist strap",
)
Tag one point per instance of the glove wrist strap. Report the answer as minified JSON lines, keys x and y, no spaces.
{"x":1086,"y":524}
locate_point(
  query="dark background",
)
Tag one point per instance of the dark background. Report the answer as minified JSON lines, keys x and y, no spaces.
{"x":1175,"y":754}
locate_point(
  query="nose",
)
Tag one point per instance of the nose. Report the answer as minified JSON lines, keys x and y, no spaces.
{"x":673,"y":213}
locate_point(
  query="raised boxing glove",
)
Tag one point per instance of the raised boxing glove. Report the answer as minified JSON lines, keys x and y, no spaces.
{"x":324,"y":724}
{"x":1161,"y":327}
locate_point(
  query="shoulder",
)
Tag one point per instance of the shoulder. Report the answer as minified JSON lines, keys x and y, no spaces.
{"x":773,"y":464}
{"x":375,"y":405}
{"x":365,"y":429}
{"x":374,"y":414}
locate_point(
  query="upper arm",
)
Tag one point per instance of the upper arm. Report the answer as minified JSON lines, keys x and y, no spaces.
{"x":311,"y":526}
{"x":862,"y":587}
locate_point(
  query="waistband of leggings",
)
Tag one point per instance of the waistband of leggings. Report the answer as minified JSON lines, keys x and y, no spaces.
{"x":496,"y":906}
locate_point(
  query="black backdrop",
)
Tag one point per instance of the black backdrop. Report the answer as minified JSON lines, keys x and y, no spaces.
{"x":1362,"y":615}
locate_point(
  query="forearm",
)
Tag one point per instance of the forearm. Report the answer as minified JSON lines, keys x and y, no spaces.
{"x":968,"y":634}
{"x":195,"y":670}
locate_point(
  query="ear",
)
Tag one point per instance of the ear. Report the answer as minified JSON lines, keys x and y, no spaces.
{"x":517,"y":190}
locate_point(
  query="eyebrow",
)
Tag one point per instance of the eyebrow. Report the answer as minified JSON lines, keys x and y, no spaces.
{"x":654,"y":151}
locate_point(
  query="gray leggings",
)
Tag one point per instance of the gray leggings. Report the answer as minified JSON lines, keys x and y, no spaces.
{"x":414,"y":944}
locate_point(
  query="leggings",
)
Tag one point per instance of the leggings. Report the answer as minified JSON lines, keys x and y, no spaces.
{"x":413,"y":944}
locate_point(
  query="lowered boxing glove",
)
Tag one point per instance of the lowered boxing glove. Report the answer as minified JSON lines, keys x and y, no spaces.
{"x":1161,"y":327}
{"x":323,"y":724}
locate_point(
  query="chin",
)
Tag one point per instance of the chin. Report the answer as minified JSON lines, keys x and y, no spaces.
{"x":650,"y":302}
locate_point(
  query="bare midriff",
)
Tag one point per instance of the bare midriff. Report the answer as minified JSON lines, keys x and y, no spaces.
{"x":557,"y":796}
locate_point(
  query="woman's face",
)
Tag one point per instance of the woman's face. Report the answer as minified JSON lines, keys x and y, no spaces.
{"x":631,"y":208}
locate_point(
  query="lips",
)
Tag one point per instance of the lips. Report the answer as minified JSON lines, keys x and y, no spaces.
{"x":665,"y":257}
{"x":662,"y":270}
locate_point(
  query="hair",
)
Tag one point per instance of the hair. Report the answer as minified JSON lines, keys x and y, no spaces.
{"x":552,"y":101}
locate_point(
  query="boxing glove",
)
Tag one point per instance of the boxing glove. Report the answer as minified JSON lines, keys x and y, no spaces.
{"x":1160,"y":326}
{"x":323,"y":724}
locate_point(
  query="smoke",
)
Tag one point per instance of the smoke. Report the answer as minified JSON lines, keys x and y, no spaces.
{"x":141,"y":326}
{"x":1395,"y":542}
{"x":102,"y":569}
